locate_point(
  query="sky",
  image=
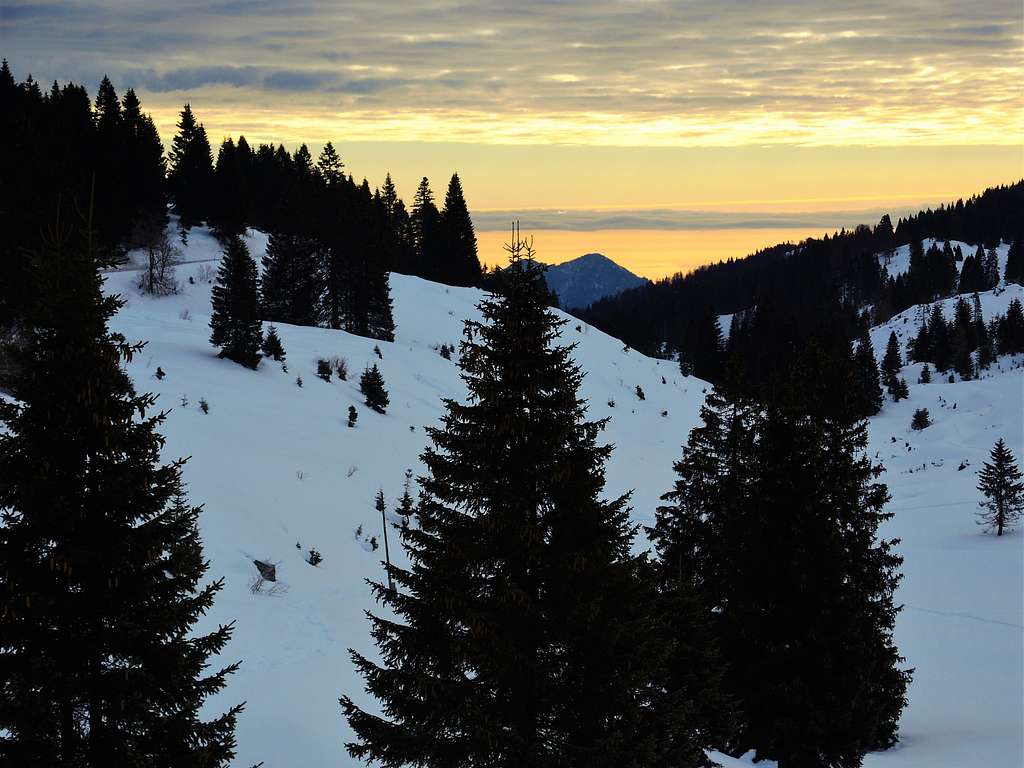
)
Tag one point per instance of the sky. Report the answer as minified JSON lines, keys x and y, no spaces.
{"x":562,"y":112}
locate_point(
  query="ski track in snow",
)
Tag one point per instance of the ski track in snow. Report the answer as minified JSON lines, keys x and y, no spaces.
{"x":274,"y":464}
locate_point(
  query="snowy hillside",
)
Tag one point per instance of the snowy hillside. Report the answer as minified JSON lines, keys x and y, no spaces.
{"x":276,"y":466}
{"x":897,"y":261}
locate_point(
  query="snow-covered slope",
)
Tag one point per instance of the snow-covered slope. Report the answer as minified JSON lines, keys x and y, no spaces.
{"x":583,"y":280}
{"x":897,"y":261}
{"x":275,"y":466}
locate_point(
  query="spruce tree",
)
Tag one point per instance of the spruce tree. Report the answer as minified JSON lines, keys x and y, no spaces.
{"x":329,"y":166}
{"x":1010,"y":330}
{"x":865,"y":388}
{"x":920,"y":420}
{"x":708,"y":347}
{"x":1000,"y":482}
{"x":190,"y":174}
{"x":235,"y":321}
{"x":526,"y":636}
{"x":816,"y":678}
{"x":424,"y":224}
{"x":100,"y":558}
{"x":371,"y":384}
{"x":1014,"y":271}
{"x":461,"y":263}
{"x":290,"y":288}
{"x":991,"y":269}
{"x":926,"y":375}
{"x":272,"y":346}
{"x":892,"y":362}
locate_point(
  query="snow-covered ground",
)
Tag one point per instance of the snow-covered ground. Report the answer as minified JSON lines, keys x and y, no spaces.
{"x":276,"y":467}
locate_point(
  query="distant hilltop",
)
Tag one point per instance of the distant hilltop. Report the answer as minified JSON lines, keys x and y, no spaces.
{"x":592,"y":276}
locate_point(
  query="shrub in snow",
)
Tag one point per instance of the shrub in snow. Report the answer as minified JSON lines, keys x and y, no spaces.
{"x":611,"y":403}
{"x":203,"y":405}
{"x":341,"y":368}
{"x":314,"y":558}
{"x":157,"y":275}
{"x":926,"y":375}
{"x":353,"y":415}
{"x":921,"y":419}
{"x":640,"y":392}
{"x":298,"y":381}
{"x":323,"y":370}
{"x":160,"y":373}
{"x":377,"y":352}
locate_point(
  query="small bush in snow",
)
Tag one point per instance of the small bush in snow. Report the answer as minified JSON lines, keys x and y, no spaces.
{"x":611,"y":403}
{"x":377,"y":352}
{"x":298,"y":381}
{"x":203,"y":405}
{"x":157,"y":275}
{"x":353,"y":415}
{"x":640,"y":393}
{"x":340,"y":365}
{"x":314,"y":558}
{"x":160,"y":373}
{"x":184,"y":401}
{"x":206,"y":273}
{"x":323,"y":370}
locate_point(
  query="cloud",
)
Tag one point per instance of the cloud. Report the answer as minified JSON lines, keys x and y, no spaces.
{"x":795,"y":71}
{"x":667,"y":219}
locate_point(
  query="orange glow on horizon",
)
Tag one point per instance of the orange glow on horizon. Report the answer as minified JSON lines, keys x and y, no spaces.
{"x":649,"y":253}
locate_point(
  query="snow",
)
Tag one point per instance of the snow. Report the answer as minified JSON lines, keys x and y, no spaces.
{"x":274,"y":464}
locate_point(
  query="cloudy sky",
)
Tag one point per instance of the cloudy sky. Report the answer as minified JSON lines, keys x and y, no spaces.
{"x":644,"y":104}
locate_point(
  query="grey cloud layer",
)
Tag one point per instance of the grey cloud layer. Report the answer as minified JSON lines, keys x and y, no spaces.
{"x":665,"y":219}
{"x":643,"y":59}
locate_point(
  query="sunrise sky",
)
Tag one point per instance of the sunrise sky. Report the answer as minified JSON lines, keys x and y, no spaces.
{"x":664,"y":134}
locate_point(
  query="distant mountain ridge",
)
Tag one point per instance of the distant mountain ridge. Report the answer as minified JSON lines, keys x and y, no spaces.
{"x":588,"y":278}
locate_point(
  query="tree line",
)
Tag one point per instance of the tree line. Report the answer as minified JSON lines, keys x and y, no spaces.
{"x":333,"y":240}
{"x":793,"y":300}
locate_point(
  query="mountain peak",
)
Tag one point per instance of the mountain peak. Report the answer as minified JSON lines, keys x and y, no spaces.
{"x":581,"y":281}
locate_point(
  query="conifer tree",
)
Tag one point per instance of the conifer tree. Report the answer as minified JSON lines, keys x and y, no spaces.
{"x":423,"y":224}
{"x":1000,"y":482}
{"x":100,"y":558}
{"x":272,"y":346}
{"x":708,"y":347}
{"x":816,"y":679}
{"x":525,"y":635}
{"x":329,"y":166}
{"x":1010,"y":330}
{"x":190,"y":175}
{"x":892,"y":362}
{"x":865,"y":389}
{"x":1014,"y":271}
{"x":926,"y":375}
{"x":235,"y":321}
{"x":291,"y":283}
{"x":991,"y":269}
{"x":921,"y":420}
{"x":371,"y":384}
{"x":940,"y":341}
{"x":145,"y":193}
{"x":462,"y":265}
